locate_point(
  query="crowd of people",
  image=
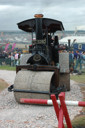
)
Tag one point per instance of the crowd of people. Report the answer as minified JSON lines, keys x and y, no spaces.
{"x":15,"y":58}
{"x":12,"y":58}
{"x":77,"y":60}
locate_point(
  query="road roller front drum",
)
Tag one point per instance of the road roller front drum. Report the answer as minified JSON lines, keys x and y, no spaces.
{"x":38,"y":84}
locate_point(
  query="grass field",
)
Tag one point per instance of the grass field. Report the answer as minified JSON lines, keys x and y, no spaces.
{"x":7,"y":67}
{"x":78,"y":78}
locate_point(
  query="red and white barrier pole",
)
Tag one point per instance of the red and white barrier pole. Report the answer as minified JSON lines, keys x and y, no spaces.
{"x":49,"y":102}
{"x":65,"y":110}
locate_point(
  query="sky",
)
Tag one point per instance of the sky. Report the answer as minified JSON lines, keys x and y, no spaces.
{"x":70,"y":12}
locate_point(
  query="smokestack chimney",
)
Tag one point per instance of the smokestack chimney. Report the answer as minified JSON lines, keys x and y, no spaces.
{"x":38,"y":20}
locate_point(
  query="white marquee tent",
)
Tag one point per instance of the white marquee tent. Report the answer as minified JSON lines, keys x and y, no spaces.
{"x":78,"y":39}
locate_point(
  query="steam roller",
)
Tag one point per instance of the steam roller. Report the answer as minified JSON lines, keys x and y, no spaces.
{"x":43,"y":71}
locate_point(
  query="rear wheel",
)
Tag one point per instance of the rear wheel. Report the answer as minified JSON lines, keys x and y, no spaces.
{"x":65,"y":80}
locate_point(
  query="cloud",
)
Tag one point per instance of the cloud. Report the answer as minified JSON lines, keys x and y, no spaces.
{"x":71,"y":13}
{"x":4,"y":7}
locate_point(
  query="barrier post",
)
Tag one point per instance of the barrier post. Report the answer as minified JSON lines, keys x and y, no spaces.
{"x":60,"y":122}
{"x":65,"y":111}
{"x":58,"y":111}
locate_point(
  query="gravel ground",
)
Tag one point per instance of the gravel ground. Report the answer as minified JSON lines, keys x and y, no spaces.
{"x":14,"y":115}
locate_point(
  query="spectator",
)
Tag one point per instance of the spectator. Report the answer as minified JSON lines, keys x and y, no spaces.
{"x":19,"y":55}
{"x":12,"y":60}
{"x":83,"y":60}
{"x":75,"y":55}
{"x":8,"y":60}
{"x":9,"y":56}
{"x":16,"y":58}
{"x":78,"y":61}
{"x":71,"y":60}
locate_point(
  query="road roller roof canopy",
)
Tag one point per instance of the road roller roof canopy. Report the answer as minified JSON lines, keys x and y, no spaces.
{"x":50,"y":24}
